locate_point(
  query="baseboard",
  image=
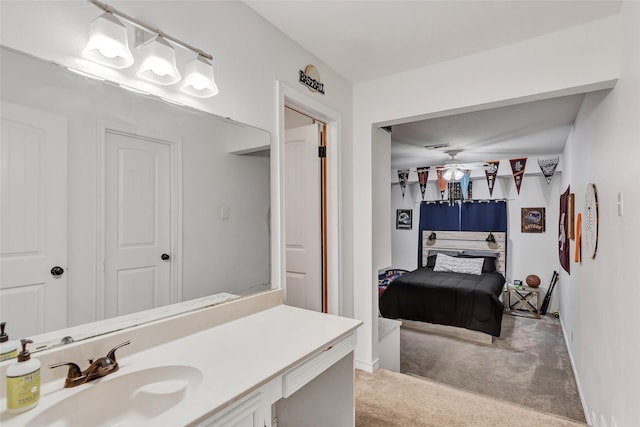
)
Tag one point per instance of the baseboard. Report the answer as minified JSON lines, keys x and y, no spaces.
{"x":367,"y":367}
{"x":575,"y":374}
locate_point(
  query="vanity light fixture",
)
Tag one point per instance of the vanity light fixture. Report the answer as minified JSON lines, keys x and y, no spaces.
{"x":198,"y":78}
{"x":159,"y":65}
{"x":108,"y":42}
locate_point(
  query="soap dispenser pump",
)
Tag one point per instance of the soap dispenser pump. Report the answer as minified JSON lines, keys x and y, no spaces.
{"x":8,"y":349}
{"x":23,"y":381}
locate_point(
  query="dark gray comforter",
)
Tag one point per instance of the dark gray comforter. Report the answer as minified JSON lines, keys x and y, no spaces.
{"x":454,"y":299}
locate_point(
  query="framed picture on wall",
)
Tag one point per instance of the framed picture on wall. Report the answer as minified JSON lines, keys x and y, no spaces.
{"x":404,"y":219}
{"x":533,"y":220}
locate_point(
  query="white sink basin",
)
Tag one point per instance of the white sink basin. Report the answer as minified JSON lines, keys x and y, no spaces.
{"x":127,"y":400}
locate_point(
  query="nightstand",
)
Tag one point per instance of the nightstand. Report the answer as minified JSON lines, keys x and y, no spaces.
{"x":524,"y":296}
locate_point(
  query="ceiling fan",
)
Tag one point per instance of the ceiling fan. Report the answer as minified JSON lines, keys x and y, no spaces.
{"x":456,"y":170}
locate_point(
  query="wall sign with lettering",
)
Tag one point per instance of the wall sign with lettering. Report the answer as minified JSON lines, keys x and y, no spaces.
{"x":310,"y":77}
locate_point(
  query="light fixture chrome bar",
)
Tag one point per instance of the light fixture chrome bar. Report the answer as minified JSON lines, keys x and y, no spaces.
{"x":140,"y":24}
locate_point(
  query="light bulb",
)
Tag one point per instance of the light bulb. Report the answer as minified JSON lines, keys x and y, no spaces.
{"x":108,"y":42}
{"x":198,"y":78}
{"x":159,"y":65}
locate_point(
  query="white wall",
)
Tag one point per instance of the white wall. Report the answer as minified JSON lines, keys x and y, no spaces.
{"x":599,"y":299}
{"x":250,"y":57}
{"x":215,"y":251}
{"x":575,"y":60}
{"x":381,"y":250}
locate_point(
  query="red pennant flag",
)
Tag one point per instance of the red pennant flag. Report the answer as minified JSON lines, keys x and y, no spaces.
{"x":423,"y":175}
{"x":517,"y":168}
{"x":442,"y":183}
{"x":492,"y":172}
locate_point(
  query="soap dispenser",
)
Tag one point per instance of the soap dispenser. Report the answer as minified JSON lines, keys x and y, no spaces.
{"x":8,"y":349}
{"x":23,"y":381}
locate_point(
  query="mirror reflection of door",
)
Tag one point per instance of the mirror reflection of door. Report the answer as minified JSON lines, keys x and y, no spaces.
{"x":33,"y":231}
{"x":304,"y":213}
{"x":137,"y":264}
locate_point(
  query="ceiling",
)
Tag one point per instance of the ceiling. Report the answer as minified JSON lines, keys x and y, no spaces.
{"x":539,"y":127}
{"x":366,"y":40}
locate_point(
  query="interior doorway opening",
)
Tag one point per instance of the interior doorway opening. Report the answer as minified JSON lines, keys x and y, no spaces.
{"x":306,"y":210}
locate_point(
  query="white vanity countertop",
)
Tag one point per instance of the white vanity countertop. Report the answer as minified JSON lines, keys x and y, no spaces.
{"x":235,"y":358}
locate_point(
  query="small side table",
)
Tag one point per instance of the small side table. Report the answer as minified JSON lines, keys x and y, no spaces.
{"x":524,"y":296}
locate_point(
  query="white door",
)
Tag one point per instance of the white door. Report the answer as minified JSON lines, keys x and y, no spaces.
{"x":33,"y":221}
{"x":303,"y":218}
{"x":137,"y":265}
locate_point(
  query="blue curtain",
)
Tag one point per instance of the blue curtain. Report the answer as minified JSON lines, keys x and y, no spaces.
{"x":437,"y":216}
{"x":483,"y":216}
{"x":474,"y":216}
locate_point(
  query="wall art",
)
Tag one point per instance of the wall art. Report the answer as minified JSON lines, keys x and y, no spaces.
{"x":533,"y":220}
{"x":404,"y":219}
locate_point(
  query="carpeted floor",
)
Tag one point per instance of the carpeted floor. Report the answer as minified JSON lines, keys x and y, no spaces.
{"x":528,"y":365}
{"x":389,"y":399}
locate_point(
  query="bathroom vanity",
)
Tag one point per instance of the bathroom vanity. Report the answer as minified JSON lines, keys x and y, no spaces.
{"x":254,"y":362}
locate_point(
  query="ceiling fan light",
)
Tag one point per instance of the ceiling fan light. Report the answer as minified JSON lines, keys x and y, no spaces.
{"x":159,"y":65}
{"x":457,"y":174}
{"x":447,"y":174}
{"x":108,"y":42}
{"x":198,"y":78}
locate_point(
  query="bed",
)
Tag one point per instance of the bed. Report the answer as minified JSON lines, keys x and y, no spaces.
{"x":470,"y":301}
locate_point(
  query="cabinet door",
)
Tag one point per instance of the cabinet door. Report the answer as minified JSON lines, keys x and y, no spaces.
{"x":246,"y":413}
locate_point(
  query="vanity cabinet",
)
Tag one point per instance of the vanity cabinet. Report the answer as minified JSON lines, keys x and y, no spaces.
{"x":251,"y":411}
{"x":317,"y":391}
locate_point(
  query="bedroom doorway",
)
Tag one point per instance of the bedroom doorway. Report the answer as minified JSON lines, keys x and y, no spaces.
{"x":305,"y":211}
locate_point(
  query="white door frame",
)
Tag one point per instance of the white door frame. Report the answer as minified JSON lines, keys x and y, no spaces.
{"x":287,"y":96}
{"x":175,"y":144}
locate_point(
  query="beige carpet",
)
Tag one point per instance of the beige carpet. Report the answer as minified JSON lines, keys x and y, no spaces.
{"x":390,"y":399}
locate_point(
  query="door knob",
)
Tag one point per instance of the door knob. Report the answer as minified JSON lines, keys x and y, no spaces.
{"x":57,"y":271}
{"x":165,"y":257}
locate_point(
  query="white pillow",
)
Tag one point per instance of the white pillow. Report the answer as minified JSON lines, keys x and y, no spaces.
{"x":459,"y":265}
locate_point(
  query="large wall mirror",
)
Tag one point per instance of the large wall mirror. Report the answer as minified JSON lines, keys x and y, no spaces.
{"x":120,"y":207}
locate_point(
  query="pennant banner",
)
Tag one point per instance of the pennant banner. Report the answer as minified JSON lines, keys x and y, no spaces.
{"x":464,"y":184}
{"x":492,"y":172}
{"x":403,"y":178}
{"x":442,"y":183}
{"x":517,"y":168}
{"x":563,"y":232}
{"x":548,"y":167}
{"x":423,"y":175}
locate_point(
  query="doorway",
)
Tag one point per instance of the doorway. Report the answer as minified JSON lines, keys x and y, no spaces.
{"x":33,"y":225}
{"x":140,"y":244}
{"x":338,"y":301}
{"x":305,"y":211}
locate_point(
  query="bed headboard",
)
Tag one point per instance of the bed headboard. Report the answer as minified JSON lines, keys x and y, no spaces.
{"x":461,"y":240}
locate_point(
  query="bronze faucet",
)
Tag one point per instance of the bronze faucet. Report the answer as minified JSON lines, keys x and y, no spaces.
{"x":101,"y":367}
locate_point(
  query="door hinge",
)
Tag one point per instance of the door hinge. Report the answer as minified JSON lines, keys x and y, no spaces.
{"x":322,"y":151}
